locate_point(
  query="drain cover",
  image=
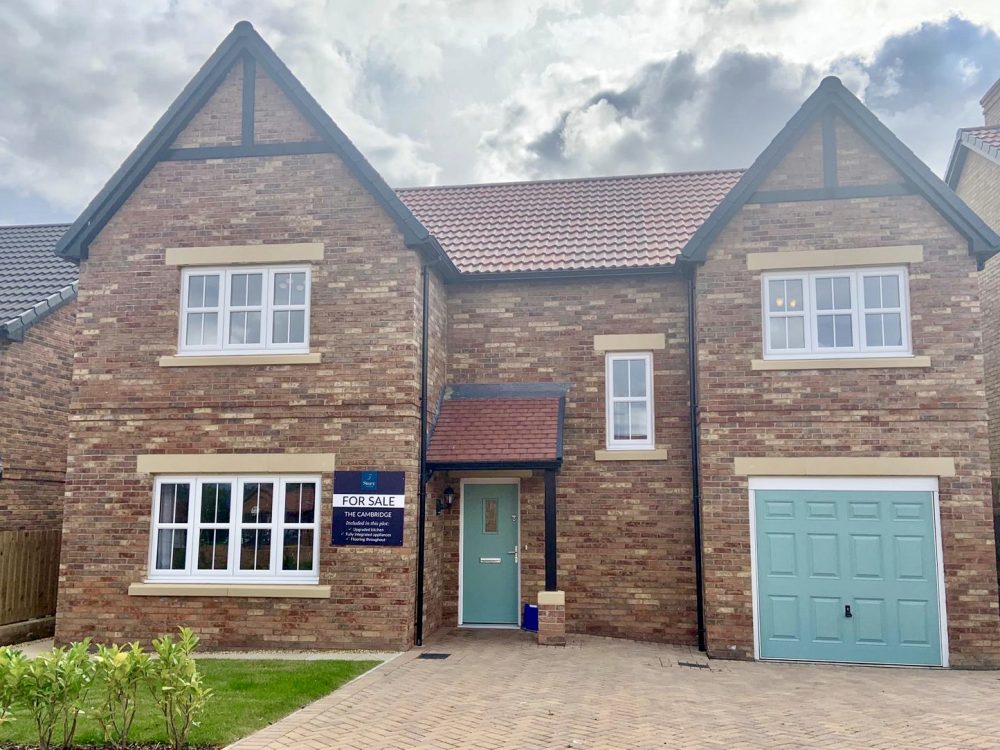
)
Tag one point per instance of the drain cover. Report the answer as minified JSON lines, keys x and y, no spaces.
{"x":692,"y":665}
{"x":433,"y":656}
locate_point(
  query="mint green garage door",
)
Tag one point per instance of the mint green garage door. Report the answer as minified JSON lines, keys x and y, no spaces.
{"x":847,"y":576}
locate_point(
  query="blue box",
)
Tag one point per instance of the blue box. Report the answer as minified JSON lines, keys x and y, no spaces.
{"x":529,"y":619}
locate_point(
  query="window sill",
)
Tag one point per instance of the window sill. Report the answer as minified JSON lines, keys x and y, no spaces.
{"x":247,"y":590}
{"x":649,"y":454}
{"x":228,"y":360}
{"x":847,"y":363}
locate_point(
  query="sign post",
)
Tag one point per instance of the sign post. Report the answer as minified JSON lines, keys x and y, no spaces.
{"x":368,"y":508}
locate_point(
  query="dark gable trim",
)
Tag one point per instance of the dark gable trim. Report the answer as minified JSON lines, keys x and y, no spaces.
{"x":964,"y":143}
{"x":241,"y":44}
{"x":254,"y":149}
{"x":833,"y":96}
{"x":830,"y":193}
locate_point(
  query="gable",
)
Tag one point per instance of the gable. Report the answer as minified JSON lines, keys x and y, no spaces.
{"x":202,"y":122}
{"x":835,"y":148}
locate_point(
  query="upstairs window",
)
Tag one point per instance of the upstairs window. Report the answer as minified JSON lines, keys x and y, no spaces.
{"x":630,"y":401}
{"x":232,"y":528}
{"x":837,"y":313}
{"x":245,"y":310}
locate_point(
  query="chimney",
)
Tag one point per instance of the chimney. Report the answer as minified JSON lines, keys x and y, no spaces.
{"x":991,"y":104}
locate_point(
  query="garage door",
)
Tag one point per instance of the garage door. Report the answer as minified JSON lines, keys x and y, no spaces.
{"x":847,"y":574}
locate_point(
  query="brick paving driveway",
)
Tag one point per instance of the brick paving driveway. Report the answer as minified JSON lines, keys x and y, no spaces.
{"x":497,"y":689}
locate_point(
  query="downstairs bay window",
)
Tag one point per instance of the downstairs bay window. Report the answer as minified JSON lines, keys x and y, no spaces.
{"x":836,"y":313}
{"x":235,"y":529}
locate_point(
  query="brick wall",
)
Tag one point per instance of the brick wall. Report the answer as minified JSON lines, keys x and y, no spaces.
{"x":35,"y":385}
{"x":625,"y":528}
{"x":360,"y":403}
{"x":935,"y":411}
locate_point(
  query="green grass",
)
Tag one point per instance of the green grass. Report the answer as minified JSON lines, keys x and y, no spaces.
{"x":249,"y":694}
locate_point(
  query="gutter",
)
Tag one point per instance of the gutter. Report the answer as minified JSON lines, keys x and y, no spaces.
{"x":692,"y":333}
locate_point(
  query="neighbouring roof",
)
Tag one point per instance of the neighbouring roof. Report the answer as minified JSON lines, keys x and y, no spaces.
{"x":833,"y":97}
{"x":639,"y":221}
{"x":33,"y":279}
{"x":984,"y":140}
{"x":512,"y":424}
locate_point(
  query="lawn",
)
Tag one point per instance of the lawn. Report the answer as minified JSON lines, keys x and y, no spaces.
{"x":249,"y":694}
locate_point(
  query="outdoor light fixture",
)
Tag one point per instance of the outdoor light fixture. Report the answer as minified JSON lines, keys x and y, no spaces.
{"x":444,"y":504}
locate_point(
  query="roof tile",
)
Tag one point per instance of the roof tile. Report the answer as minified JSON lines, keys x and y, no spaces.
{"x":30,"y":271}
{"x":496,"y":429}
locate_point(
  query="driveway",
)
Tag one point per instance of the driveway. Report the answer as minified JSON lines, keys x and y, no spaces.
{"x":498,"y":689}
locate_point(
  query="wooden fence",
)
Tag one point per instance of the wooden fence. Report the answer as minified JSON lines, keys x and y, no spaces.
{"x":29,"y":574}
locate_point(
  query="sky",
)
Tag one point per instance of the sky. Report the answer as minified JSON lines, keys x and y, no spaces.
{"x":457,"y":91}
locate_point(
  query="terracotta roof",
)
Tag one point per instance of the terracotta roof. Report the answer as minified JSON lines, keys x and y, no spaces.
{"x":984,"y":140}
{"x":988,"y":135}
{"x":498,"y":424}
{"x":640,"y":221}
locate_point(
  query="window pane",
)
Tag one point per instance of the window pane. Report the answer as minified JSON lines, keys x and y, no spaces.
{"x":238,"y":290}
{"x":619,"y":377}
{"x":171,"y":549}
{"x":873,"y":292}
{"x":621,"y":430}
{"x":298,"y":281}
{"x":639,"y":423}
{"x":257,"y":502}
{"x":213,"y":549}
{"x":300,"y":502}
{"x":211,"y":291}
{"x":824,"y":294}
{"x":776,"y":296}
{"x":297,"y":551}
{"x":793,"y":290}
{"x":637,"y":377}
{"x":244,"y":328}
{"x":255,"y":289}
{"x":842,"y":293}
{"x":193,"y":336}
{"x":255,"y":549}
{"x":215,"y":502}
{"x":174,"y":501}
{"x":893,"y":329}
{"x":824,"y":330}
{"x":297,"y":327}
{"x":490,"y":516}
{"x":279,"y":334}
{"x":209,"y":328}
{"x":196,"y":291}
{"x":873,"y":329}
{"x":890,"y":291}
{"x":778,"y":337}
{"x":282,"y":289}
{"x":796,"y":332}
{"x":842,"y":330}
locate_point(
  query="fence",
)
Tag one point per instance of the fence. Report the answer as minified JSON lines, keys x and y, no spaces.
{"x":29,"y":574}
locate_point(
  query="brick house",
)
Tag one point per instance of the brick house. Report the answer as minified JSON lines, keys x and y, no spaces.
{"x":37,"y":290}
{"x":741,"y":409}
{"x":974,"y":173}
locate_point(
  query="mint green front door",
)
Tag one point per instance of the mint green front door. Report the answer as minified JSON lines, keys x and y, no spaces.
{"x":848,"y":576}
{"x":489,"y":554}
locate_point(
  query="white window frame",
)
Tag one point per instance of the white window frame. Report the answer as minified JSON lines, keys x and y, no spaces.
{"x":861,"y":348}
{"x":277,"y":526}
{"x":225,"y":310}
{"x":610,"y":399}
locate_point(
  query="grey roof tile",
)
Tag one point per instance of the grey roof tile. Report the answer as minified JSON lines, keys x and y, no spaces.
{"x":30,"y":271}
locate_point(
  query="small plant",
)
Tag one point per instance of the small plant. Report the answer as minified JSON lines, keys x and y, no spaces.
{"x":177,"y":686}
{"x":121,"y":671}
{"x":12,"y":664}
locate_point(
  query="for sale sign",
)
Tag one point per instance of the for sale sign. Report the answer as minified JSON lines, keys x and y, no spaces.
{"x":368,"y":508}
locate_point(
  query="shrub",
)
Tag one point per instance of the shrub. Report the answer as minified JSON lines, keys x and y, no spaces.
{"x":121,"y":671}
{"x":12,"y":664}
{"x":177,"y":686}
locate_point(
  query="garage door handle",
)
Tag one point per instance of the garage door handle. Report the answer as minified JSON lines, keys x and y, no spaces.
{"x":847,"y":611}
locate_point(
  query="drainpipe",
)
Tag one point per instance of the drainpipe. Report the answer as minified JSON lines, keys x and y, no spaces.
{"x":422,"y":469}
{"x":695,"y":460}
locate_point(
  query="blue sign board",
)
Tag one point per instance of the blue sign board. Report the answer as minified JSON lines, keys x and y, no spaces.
{"x":368,"y":508}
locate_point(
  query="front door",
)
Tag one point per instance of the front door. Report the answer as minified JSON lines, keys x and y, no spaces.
{"x":848,"y":576}
{"x":489,"y":554}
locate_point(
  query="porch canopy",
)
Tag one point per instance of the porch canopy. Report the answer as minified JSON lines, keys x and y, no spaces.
{"x":504,"y":426}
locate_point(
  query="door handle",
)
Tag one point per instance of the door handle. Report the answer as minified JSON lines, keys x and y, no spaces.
{"x":514,"y":553}
{"x":847,"y":611}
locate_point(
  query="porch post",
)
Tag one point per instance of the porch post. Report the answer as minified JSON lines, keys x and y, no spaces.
{"x":550,"y":530}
